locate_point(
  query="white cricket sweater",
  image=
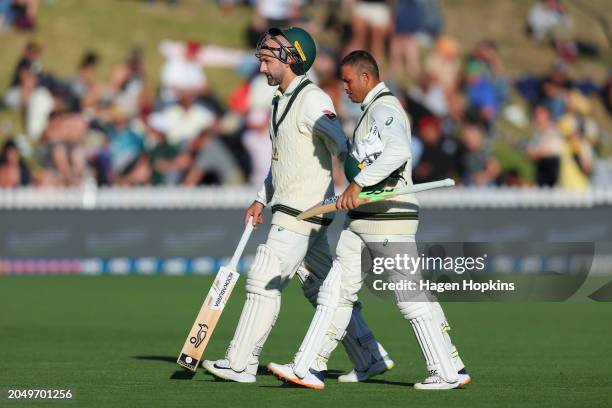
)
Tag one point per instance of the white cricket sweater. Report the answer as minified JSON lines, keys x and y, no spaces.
{"x":382,"y":142}
{"x":302,"y":145}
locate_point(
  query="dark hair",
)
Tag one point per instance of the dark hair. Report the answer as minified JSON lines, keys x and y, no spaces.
{"x":89,"y":59}
{"x":9,"y":144}
{"x":363,"y":60}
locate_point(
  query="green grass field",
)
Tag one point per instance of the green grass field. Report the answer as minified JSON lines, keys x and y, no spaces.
{"x":113,"y":342}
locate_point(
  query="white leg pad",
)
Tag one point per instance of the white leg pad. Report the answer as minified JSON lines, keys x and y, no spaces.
{"x":445,"y":328}
{"x":322,"y":325}
{"x":429,"y":336}
{"x":360,"y":344}
{"x":310,"y":283}
{"x":259,"y":312}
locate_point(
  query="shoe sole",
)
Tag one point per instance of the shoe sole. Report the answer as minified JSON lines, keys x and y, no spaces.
{"x":458,"y":387}
{"x":295,"y":381}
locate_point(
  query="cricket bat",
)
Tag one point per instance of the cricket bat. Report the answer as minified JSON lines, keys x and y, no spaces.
{"x":213,"y":306}
{"x":329,"y":204}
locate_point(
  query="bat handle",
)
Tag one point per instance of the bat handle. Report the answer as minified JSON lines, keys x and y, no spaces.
{"x":243,"y":241}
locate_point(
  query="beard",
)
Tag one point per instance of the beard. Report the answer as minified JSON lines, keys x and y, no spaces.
{"x":272,"y":81}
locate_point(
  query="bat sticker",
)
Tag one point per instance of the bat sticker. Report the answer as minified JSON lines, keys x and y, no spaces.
{"x":200,"y":336}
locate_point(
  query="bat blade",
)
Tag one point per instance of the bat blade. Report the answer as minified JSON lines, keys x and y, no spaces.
{"x":207,"y":318}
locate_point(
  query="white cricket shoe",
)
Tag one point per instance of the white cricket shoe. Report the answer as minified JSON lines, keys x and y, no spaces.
{"x":221,"y":369}
{"x":313,"y":379}
{"x":376,"y":368}
{"x":464,"y":377}
{"x":435,"y":382}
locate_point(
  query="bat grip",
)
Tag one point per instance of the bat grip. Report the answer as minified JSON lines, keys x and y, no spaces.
{"x":416,"y":188}
{"x":243,"y":241}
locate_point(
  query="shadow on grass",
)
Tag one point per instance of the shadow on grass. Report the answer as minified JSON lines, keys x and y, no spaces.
{"x":186,"y":374}
{"x":261,"y":371}
{"x":334,"y":374}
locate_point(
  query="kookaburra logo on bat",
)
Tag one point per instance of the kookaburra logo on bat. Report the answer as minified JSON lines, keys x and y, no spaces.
{"x":200,"y":336}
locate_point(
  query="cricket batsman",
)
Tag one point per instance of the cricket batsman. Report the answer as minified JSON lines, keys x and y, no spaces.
{"x":305,"y":134}
{"x":379,"y":155}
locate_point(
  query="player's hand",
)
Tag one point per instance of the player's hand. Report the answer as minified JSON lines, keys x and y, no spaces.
{"x":350,"y":198}
{"x":255,"y":211}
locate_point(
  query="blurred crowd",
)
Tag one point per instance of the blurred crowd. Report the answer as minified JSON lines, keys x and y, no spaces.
{"x":20,"y":14}
{"x":121,"y":132}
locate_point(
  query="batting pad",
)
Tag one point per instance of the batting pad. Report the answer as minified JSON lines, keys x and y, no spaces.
{"x":442,"y":323}
{"x":259,"y":312}
{"x":323,"y":328}
{"x":359,"y":342}
{"x":429,"y":336}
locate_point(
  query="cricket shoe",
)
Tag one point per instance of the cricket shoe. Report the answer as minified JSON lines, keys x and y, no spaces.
{"x":221,"y":369}
{"x":376,"y":368}
{"x":435,"y":382}
{"x":313,"y":379}
{"x":464,"y":377}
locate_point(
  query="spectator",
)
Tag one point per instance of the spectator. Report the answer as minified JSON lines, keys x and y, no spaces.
{"x":482,"y":99}
{"x":578,"y":132}
{"x":545,"y":147}
{"x":545,"y":17}
{"x":478,"y":166}
{"x":24,"y":14}
{"x":576,"y":162}
{"x":547,"y":21}
{"x":168,"y":162}
{"x":40,"y":105}
{"x":404,"y":43}
{"x":25,"y":77}
{"x":256,"y":140}
{"x":184,"y":62}
{"x":6,"y":14}
{"x":443,"y":66}
{"x":13,"y":171}
{"x":275,"y":13}
{"x":439,"y":153}
{"x":370,"y":18}
{"x":181,"y":124}
{"x":430,"y":94}
{"x":183,"y":121}
{"x":128,"y":159}
{"x":61,"y":151}
{"x":554,"y":89}
{"x":129,"y":85}
{"x":487,"y":54}
{"x":84,"y":86}
{"x":577,"y":117}
{"x":212,"y":162}
{"x":432,"y":21}
{"x":182,"y":69}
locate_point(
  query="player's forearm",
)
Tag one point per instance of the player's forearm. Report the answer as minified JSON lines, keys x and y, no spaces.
{"x":266,"y":191}
{"x":333,"y":137}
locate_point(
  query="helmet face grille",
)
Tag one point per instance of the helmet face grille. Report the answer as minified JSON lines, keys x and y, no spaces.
{"x":282,"y":52}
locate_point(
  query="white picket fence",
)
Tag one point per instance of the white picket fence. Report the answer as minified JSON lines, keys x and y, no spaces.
{"x":240,"y":197}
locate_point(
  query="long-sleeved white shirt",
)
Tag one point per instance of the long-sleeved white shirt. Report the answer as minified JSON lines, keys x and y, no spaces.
{"x":302,"y":146}
{"x":381,"y":142}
